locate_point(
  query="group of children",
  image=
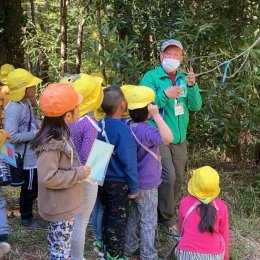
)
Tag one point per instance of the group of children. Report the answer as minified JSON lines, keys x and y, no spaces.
{"x":124,"y":209}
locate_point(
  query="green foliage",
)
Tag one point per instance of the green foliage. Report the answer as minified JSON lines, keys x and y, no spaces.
{"x":122,"y":39}
{"x":256,"y":184}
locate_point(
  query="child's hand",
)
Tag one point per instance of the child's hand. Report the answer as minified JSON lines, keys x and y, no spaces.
{"x":87,"y":170}
{"x":134,"y":196}
{"x":153,"y":110}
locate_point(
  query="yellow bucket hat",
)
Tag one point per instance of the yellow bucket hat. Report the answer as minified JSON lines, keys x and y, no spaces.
{"x":204,"y":184}
{"x":89,"y":87}
{"x":99,"y":74}
{"x":4,"y":71}
{"x":138,"y":96}
{"x":99,"y":114}
{"x":18,"y":80}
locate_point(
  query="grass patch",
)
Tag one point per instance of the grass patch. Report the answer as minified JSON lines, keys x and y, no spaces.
{"x":237,"y":189}
{"x":245,"y":238}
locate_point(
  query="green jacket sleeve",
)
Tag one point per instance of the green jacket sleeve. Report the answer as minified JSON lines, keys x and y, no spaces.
{"x":194,"y":98}
{"x":160,"y":98}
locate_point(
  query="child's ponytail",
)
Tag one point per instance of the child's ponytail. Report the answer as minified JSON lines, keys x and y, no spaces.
{"x":208,"y":217}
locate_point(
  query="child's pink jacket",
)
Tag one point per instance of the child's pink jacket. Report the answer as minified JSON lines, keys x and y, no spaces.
{"x":195,"y":241}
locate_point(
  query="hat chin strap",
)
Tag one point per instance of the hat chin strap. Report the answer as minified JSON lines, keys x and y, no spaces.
{"x":208,"y":202}
{"x":204,"y":201}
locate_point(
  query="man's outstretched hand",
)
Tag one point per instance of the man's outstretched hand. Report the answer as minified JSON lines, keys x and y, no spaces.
{"x":191,"y":78}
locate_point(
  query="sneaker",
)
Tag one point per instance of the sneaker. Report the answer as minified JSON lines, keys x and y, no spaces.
{"x":5,"y":249}
{"x":133,"y":257}
{"x":174,"y":232}
{"x":99,"y":248}
{"x":107,"y":256}
{"x":31,"y":223}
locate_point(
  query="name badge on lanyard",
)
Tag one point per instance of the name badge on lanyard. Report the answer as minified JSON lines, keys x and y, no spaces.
{"x":178,"y":108}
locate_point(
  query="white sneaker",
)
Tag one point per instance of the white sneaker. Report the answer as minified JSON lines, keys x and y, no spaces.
{"x":5,"y":249}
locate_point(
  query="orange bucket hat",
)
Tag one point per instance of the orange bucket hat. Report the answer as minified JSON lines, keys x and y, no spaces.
{"x":58,"y":99}
{"x":89,"y":87}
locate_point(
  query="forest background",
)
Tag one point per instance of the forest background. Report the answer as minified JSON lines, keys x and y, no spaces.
{"x":120,"y":41}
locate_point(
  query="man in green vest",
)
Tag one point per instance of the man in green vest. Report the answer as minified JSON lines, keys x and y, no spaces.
{"x":176,"y":95}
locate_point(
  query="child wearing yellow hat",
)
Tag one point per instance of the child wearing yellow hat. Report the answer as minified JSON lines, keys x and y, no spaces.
{"x":60,"y":171}
{"x":21,"y":126}
{"x":4,"y":90}
{"x":83,"y":133}
{"x":4,"y":98}
{"x":143,"y":212}
{"x":4,"y":227}
{"x":203,"y":219}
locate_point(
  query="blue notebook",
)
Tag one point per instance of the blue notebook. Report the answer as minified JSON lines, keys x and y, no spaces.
{"x":7,"y":153}
{"x":98,"y":161}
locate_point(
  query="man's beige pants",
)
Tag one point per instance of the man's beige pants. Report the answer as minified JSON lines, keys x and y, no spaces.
{"x":174,"y":158}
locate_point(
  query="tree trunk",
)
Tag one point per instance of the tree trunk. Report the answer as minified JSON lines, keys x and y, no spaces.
{"x":79,"y":44}
{"x":11,"y":50}
{"x":2,"y":34}
{"x":42,"y":64}
{"x":146,"y":38}
{"x":100,"y":39}
{"x":121,"y":11}
{"x":63,"y":33}
{"x":32,"y":10}
{"x":27,"y":55}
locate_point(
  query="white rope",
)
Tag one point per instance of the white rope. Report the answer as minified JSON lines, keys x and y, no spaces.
{"x":242,"y":65}
{"x":234,"y":58}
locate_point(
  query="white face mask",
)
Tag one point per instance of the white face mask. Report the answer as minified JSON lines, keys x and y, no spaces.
{"x":170,"y":65}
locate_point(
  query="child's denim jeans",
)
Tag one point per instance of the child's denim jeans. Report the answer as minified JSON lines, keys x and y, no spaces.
{"x":143,"y":214}
{"x":4,"y":228}
{"x":96,"y":219}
